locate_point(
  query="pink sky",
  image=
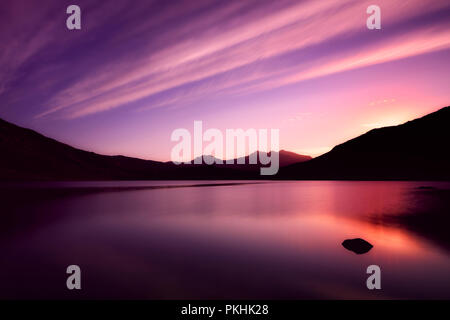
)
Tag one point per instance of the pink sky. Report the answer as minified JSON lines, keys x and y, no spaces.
{"x":136,"y":72}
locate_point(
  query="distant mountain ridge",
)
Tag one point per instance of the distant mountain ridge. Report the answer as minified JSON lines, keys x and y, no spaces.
{"x":285,"y":158}
{"x":28,"y":155}
{"x":417,"y":149}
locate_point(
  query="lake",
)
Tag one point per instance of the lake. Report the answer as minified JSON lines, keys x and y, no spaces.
{"x":224,"y":239}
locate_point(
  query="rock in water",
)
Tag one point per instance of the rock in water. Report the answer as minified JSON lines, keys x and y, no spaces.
{"x":358,"y":245}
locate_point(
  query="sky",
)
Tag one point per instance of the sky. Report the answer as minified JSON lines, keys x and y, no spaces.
{"x":138,"y":70}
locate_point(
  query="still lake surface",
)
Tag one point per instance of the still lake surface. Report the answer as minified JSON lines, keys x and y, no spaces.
{"x":219,"y":239}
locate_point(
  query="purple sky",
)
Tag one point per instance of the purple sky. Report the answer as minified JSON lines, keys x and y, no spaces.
{"x":140,"y":69}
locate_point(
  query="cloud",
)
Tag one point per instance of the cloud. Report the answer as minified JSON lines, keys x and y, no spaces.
{"x":150,"y":56}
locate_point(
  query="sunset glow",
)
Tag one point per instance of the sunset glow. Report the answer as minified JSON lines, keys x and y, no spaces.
{"x":137,"y":71}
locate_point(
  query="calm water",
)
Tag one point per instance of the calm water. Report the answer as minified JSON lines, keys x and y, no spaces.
{"x":274,"y":240}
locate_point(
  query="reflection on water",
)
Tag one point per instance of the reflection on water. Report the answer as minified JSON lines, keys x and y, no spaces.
{"x":194,"y":240}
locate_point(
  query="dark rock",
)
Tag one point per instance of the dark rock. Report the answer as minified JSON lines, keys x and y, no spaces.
{"x":358,"y":245}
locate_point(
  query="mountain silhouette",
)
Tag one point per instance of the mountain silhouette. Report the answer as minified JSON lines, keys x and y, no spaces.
{"x":243,"y":163}
{"x":285,"y":158}
{"x":28,"y":155}
{"x":415,"y":150}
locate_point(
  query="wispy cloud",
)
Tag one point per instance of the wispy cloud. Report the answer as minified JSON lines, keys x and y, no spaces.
{"x":156,"y":55}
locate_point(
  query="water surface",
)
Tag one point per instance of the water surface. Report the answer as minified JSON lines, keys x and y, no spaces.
{"x":215,"y":239}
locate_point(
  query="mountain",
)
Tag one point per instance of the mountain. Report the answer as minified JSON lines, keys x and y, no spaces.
{"x":285,"y":158}
{"x":415,"y":150}
{"x":28,"y":155}
{"x":288,"y":158}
